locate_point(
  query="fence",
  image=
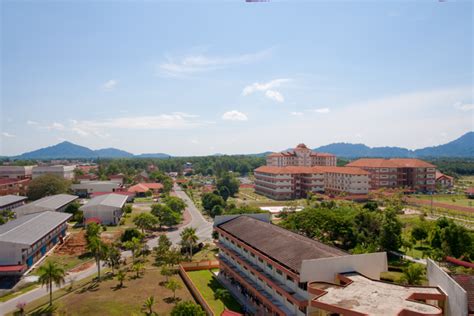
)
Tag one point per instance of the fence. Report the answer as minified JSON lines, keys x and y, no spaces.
{"x":194,"y":266}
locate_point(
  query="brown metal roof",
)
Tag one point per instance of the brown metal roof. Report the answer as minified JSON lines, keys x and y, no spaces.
{"x":467,"y":283}
{"x":287,"y":248}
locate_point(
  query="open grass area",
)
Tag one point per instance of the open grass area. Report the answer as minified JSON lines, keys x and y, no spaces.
{"x":208,"y":252}
{"x":144,"y":200}
{"x":27,"y":288}
{"x":248,"y":196}
{"x":105,"y":298}
{"x":207,"y":284}
{"x":452,"y":199}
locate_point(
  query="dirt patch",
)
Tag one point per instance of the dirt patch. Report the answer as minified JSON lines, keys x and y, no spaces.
{"x":74,"y":245}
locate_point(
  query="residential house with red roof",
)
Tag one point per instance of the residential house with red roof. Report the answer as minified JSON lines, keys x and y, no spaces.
{"x":140,"y":189}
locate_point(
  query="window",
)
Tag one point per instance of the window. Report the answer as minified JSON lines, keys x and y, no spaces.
{"x":279,"y":272}
{"x":289,"y":278}
{"x":269,"y":266}
{"x":303,"y":285}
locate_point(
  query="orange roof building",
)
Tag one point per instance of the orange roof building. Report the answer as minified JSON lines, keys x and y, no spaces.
{"x":410,"y":173}
{"x":142,"y":188}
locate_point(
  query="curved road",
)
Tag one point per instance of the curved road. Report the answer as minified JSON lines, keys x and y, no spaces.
{"x":203,"y":231}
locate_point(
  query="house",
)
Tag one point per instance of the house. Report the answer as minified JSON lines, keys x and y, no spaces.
{"x":119,"y":178}
{"x":62,"y":171}
{"x":9,"y":202}
{"x":444,"y":181}
{"x":9,"y":186}
{"x":273,"y":271}
{"x":85,"y":188}
{"x":107,"y":208}
{"x":16,"y":172}
{"x":414,"y":174}
{"x":25,"y":240}
{"x":54,"y":203}
{"x":140,"y":189}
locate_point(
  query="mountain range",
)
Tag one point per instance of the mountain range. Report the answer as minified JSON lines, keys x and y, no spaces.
{"x":461,"y":147}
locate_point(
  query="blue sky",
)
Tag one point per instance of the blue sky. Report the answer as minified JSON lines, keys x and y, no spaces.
{"x":195,"y":78}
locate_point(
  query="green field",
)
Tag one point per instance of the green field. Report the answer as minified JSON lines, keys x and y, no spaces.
{"x":452,"y":199}
{"x":207,"y":284}
{"x":248,"y":196}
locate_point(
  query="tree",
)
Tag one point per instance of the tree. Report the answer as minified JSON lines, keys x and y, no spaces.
{"x":189,"y":239}
{"x":114,"y":257}
{"x":145,"y":221}
{"x":148,"y":305}
{"x":161,"y":250}
{"x":175,"y":203}
{"x":391,"y":231}
{"x":216,"y":210}
{"x":92,"y":231}
{"x":138,"y":267}
{"x":224,"y":192}
{"x":166,"y":216}
{"x":134,"y":245}
{"x":209,"y":200}
{"x":99,"y":250}
{"x":129,"y":234}
{"x":121,"y":277}
{"x":228,"y":181}
{"x":173,"y":257}
{"x":187,"y":308}
{"x":127,"y":209}
{"x":413,"y":274}
{"x":173,"y":286}
{"x":167,"y":272}
{"x":50,"y":273}
{"x":419,"y":233}
{"x":47,"y":184}
{"x":221,"y":294}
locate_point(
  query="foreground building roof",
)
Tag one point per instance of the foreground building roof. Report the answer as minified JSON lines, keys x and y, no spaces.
{"x":30,"y":228}
{"x":467,"y":283}
{"x":390,"y":163}
{"x":279,"y":244}
{"x":10,"y":199}
{"x":363,"y":296}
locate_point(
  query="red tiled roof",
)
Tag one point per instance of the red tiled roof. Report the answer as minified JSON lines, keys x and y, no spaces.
{"x":116,"y":192}
{"x":15,"y":268}
{"x":440,"y":175}
{"x":230,"y":313}
{"x":469,"y":190}
{"x":92,"y":220}
{"x":318,"y":169}
{"x":143,"y":187}
{"x":460,"y":262}
{"x":390,"y":163}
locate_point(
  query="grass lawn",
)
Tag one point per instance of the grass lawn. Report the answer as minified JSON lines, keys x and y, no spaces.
{"x":27,"y":288}
{"x":144,"y":200}
{"x":68,"y":261}
{"x":452,"y":199}
{"x":106,"y":299}
{"x":207,"y":284}
{"x":248,"y":196}
{"x":208,"y":252}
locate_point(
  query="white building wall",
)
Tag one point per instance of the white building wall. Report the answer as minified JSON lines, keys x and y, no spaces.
{"x":108,"y":215}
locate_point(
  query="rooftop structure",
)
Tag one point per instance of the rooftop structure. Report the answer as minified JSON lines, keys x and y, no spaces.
{"x":105,"y":208}
{"x":9,"y":202}
{"x":359,"y":295}
{"x":66,"y":172}
{"x":57,"y":203}
{"x":85,"y":188}
{"x":113,"y":199}
{"x":467,"y":283}
{"x":143,"y":187}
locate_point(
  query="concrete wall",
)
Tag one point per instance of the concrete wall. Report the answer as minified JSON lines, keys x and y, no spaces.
{"x":325,"y":269}
{"x":456,"y":303}
{"x":264,"y":217}
{"x":108,"y":215}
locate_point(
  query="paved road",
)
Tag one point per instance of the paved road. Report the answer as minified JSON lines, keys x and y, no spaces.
{"x":203,"y":227}
{"x":203,"y":231}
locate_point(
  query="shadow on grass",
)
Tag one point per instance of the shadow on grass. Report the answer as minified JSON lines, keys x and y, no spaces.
{"x":44,"y":311}
{"x":90,"y":288}
{"x":229,"y":301}
{"x":171,"y":300}
{"x":118,"y":287}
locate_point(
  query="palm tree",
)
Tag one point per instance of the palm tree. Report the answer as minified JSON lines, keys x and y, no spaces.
{"x":413,"y":274}
{"x":173,"y":285}
{"x":99,"y":249}
{"x":114,"y":257}
{"x":167,"y":272}
{"x":121,"y":277}
{"x":189,"y":239}
{"x":138,"y":267}
{"x":50,"y":273}
{"x":134,"y":246}
{"x":148,"y":305}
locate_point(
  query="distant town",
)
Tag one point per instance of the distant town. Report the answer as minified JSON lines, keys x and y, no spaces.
{"x":297,"y":232}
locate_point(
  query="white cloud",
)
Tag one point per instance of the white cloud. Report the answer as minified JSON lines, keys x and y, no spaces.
{"x":268,"y":88}
{"x":31,"y":122}
{"x":109,"y":85}
{"x":274,"y":95}
{"x":192,"y":64}
{"x":8,"y":135}
{"x":296,"y":113}
{"x":464,"y":106}
{"x":56,"y":126}
{"x":234,"y":116}
{"x":322,"y":110}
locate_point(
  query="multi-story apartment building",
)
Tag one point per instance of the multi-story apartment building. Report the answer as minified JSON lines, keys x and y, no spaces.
{"x":13,"y":186}
{"x":16,"y":172}
{"x":66,"y":172}
{"x":290,"y":182}
{"x":272,"y":271}
{"x":301,"y":156}
{"x":413,"y":174}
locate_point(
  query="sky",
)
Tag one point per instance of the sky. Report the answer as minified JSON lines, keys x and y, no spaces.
{"x":205,"y":77}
